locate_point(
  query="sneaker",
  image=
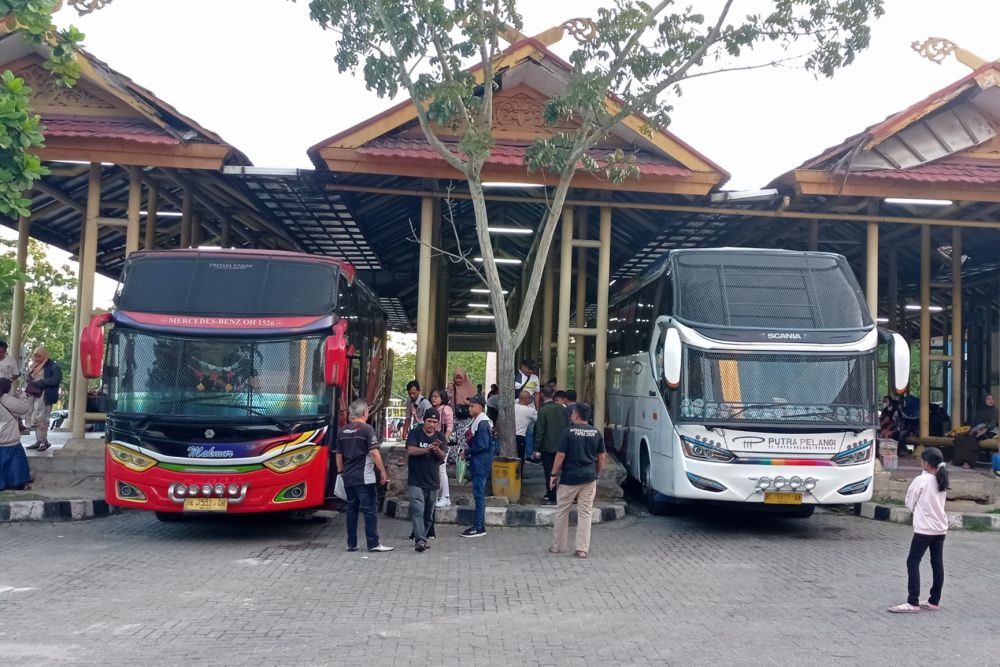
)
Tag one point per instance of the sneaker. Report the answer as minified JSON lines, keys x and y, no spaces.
{"x":34,"y":446}
{"x":930,"y":607}
{"x":473,"y":532}
{"x":904,"y":608}
{"x":548,"y":501}
{"x":380,"y":548}
{"x":443,"y":502}
{"x":352,"y":548}
{"x":421,"y":546}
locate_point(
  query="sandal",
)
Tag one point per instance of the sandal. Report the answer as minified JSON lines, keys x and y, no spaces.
{"x":34,"y":446}
{"x":581,"y":554}
{"x":553,"y":550}
{"x":904,"y":608}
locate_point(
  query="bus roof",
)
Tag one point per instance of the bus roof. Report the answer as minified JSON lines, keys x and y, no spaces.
{"x":346,"y":269}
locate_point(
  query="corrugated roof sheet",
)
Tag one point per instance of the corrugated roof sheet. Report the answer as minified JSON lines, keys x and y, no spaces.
{"x":942,"y":172}
{"x":104,"y":128}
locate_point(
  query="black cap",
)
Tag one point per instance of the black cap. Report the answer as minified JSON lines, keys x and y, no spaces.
{"x":478,"y":399}
{"x":431,"y":413}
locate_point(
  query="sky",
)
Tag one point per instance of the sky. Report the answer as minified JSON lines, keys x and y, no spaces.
{"x":262,"y":75}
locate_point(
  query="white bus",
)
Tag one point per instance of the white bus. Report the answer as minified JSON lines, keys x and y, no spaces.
{"x":747,"y":376}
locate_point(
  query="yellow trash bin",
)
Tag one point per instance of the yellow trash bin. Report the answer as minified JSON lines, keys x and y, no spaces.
{"x":507,"y":478}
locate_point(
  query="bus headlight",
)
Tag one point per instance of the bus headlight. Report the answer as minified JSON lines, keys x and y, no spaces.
{"x":292,"y":460}
{"x":131,"y":459}
{"x":858,"y":453}
{"x":695,"y":448}
{"x":809,"y":484}
{"x":764,"y":483}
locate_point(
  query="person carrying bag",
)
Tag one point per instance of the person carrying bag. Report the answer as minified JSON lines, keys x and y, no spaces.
{"x":14,"y":471}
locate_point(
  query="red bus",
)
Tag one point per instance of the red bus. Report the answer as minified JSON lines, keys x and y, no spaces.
{"x":226,"y":374}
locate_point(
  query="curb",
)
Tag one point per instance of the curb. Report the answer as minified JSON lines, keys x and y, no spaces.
{"x":897,"y":514}
{"x":511,"y":516}
{"x":54,"y":510}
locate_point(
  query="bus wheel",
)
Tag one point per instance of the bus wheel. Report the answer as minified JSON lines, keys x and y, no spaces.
{"x":654,"y":501}
{"x":169,"y":517}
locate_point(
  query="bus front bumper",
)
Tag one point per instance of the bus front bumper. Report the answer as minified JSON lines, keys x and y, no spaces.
{"x":774,"y":484}
{"x":262,"y":490}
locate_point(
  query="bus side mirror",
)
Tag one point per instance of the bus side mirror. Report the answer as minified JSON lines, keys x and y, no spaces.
{"x":335,"y":357}
{"x":672,"y":353}
{"x":899,"y":360}
{"x":92,"y":346}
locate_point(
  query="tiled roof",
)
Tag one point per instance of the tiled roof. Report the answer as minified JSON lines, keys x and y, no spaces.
{"x":107,"y":128}
{"x":509,"y":154}
{"x":940,"y":172}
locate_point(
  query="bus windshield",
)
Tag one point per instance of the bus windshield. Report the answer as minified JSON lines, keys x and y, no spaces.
{"x":157,"y":374}
{"x":768,"y":388}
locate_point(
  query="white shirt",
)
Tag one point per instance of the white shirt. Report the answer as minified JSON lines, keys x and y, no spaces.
{"x":528,"y":383}
{"x":927,"y":505}
{"x":8,"y":367}
{"x":524,"y":416}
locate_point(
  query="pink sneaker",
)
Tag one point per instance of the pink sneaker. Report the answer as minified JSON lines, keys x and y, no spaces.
{"x":929,"y":607}
{"x":904,"y":608}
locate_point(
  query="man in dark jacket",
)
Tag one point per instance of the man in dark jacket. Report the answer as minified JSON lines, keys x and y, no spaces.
{"x":480,"y":454}
{"x":549,"y":428}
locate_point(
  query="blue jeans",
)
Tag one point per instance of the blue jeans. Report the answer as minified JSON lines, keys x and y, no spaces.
{"x":479,"y":494}
{"x":529,"y":441}
{"x":361,"y":496}
{"x":422,"y":512}
{"x":996,"y":463}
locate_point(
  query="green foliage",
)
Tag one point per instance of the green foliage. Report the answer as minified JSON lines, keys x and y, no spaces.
{"x":404,"y":369}
{"x":20,"y":129}
{"x":49,"y":306}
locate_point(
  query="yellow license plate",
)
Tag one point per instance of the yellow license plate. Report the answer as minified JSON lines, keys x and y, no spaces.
{"x":206,"y":504}
{"x":782,"y":498}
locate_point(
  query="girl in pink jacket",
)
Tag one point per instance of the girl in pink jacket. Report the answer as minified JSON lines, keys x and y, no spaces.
{"x":925,"y":498}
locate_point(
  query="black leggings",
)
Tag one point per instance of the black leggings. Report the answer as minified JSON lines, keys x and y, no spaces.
{"x":918,"y":546}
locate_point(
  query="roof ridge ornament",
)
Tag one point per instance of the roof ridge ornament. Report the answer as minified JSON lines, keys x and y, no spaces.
{"x":581,"y":29}
{"x":87,"y":6}
{"x":936,"y":49}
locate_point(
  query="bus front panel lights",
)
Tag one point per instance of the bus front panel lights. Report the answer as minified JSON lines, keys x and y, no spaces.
{"x":193,"y":490}
{"x":220,"y":490}
{"x":795,"y":483}
{"x":763,"y":483}
{"x":855,"y":488}
{"x":206,"y":489}
{"x":704,"y":483}
{"x":780,"y":481}
{"x":234,"y":490}
{"x":809,"y":484}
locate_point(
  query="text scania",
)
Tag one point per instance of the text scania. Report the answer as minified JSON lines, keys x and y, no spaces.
{"x":199,"y":452}
{"x":784,"y":336}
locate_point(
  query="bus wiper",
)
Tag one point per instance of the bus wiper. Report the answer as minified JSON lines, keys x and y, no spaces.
{"x":753,"y":406}
{"x":274,"y":420}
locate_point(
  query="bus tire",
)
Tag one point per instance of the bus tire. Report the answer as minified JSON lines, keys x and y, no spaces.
{"x":169,"y":517}
{"x":655,"y":502}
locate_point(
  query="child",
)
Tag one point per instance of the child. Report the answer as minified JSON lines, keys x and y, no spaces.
{"x":925,"y":498}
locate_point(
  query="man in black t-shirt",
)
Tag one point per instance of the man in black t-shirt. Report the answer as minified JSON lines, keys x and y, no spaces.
{"x":357,"y":459}
{"x":578,"y":464}
{"x":426,"y":449}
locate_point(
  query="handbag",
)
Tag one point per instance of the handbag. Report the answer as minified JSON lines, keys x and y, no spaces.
{"x":461,"y":468}
{"x":338,"y":488}
{"x":32,"y":389}
{"x":462,"y":412}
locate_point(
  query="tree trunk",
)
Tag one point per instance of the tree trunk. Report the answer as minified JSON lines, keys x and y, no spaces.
{"x":505,"y":401}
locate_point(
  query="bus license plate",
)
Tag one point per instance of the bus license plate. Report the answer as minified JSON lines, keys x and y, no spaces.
{"x":206,"y":504}
{"x":773,"y":498}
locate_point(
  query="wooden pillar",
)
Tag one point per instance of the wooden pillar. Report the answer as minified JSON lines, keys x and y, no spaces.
{"x":603,"y":287}
{"x":814,"y":234}
{"x":957,"y":337}
{"x":925,"y":330}
{"x":424,"y":285}
{"x":196,"y":229}
{"x":871,"y":270}
{"x":565,"y":276}
{"x":152,"y":202}
{"x":893,"y":289}
{"x":546,"y":344}
{"x":187,"y":204}
{"x":17,"y":311}
{"x":226,"y":232}
{"x":134,"y":206}
{"x":581,"y":301}
{"x":85,"y":306}
{"x":442,"y":308}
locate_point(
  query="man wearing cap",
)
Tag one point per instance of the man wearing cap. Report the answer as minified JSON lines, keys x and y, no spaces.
{"x":526,"y":380}
{"x":479,"y":452}
{"x":426,"y":449}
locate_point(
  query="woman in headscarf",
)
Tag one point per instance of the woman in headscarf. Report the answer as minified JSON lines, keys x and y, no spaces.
{"x":14,"y":473}
{"x":44,"y":378}
{"x":461,"y":392}
{"x":967,"y":445}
